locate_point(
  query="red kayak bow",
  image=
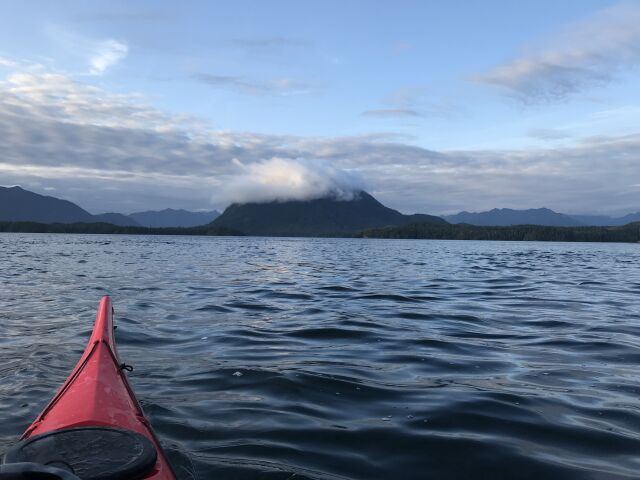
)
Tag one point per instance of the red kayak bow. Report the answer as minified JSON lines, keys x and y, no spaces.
{"x":97,"y":394}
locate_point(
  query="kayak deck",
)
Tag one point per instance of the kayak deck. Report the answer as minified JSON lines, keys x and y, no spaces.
{"x":97,"y":393}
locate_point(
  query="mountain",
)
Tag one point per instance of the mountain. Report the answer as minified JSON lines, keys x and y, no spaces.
{"x":320,"y":217}
{"x":602,"y":220}
{"x":173,"y":218}
{"x":594,"y":220}
{"x":503,"y":217}
{"x":630,"y":218}
{"x":116,"y":219}
{"x":19,"y":204}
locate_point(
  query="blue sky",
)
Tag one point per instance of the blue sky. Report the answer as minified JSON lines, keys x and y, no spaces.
{"x":432,"y":106}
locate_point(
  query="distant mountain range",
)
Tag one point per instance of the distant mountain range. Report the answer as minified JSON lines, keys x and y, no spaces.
{"x":320,"y":217}
{"x":173,"y":218}
{"x":115,"y":219}
{"x":503,"y":217}
{"x":537,"y":216}
{"x":604,"y":221}
{"x":17,"y":204}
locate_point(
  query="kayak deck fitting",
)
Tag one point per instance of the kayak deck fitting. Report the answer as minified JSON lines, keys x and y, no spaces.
{"x":94,"y":427}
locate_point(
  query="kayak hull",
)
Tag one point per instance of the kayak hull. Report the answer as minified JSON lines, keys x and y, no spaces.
{"x":97,"y":393}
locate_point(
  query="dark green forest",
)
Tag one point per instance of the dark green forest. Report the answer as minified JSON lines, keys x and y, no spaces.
{"x":626,"y":233}
{"x":108,"y":228}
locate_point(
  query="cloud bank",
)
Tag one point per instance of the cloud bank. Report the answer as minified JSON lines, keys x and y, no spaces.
{"x":587,"y":54}
{"x":114,"y":152}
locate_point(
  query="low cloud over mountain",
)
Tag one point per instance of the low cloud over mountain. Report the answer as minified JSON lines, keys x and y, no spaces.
{"x":282,"y":179}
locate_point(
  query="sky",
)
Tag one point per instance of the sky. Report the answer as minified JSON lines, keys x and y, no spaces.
{"x":433,"y":107}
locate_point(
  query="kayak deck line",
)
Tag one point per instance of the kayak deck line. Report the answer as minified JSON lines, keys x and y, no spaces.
{"x":90,"y":350}
{"x":97,"y":394}
{"x":61,"y":391}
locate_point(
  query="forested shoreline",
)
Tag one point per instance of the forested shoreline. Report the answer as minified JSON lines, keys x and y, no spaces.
{"x":628,"y":233}
{"x":108,"y":228}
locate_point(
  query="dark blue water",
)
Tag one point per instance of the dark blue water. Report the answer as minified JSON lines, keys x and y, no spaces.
{"x":283,"y":359}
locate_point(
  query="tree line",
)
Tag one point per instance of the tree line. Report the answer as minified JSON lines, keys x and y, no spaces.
{"x":108,"y":228}
{"x":626,"y":233}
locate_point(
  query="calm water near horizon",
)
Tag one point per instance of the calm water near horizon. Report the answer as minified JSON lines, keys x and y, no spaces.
{"x":266,"y":358}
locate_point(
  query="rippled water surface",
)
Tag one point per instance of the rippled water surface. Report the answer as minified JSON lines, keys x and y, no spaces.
{"x":262,"y":358}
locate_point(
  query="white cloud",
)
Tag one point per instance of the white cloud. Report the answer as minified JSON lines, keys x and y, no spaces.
{"x":56,"y":97}
{"x":5,"y":62}
{"x":586,"y":54}
{"x":287,"y":179}
{"x":95,"y":56}
{"x":106,"y":54}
